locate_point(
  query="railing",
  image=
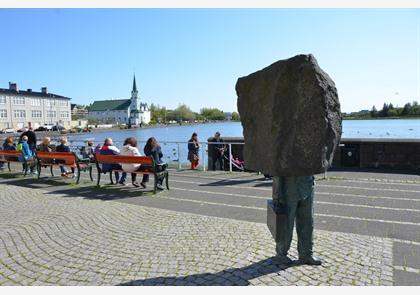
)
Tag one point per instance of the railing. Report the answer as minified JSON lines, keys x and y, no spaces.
{"x":175,"y":152}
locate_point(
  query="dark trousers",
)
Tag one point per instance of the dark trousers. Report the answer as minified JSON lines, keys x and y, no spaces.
{"x":297,"y":194}
{"x":146,"y":176}
{"x":218,"y":162}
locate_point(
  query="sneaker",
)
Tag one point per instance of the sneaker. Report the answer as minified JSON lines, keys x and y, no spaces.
{"x":122,"y":183}
{"x":136,"y":184}
{"x":143,"y":185}
{"x":160,"y":187}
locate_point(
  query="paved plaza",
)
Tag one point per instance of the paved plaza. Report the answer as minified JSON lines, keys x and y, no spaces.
{"x":209,"y":229}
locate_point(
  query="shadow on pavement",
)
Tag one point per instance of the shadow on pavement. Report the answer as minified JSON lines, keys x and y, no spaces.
{"x":229,"y":277}
{"x":68,"y":188}
{"x":226,"y":182}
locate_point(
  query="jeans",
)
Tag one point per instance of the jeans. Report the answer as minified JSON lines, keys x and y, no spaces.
{"x":122,"y":179}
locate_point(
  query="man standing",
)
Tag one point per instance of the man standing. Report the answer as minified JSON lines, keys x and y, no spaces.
{"x":31,"y":138}
{"x":295,"y":195}
{"x":218,"y":150}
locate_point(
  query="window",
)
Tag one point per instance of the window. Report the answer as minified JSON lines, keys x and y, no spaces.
{"x":19,"y":113}
{"x":51,"y":114}
{"x":35,"y":102}
{"x":3,"y":113}
{"x":64,"y":114}
{"x":36,"y":114}
{"x":63,"y":103}
{"x":3,"y":99}
{"x":18,"y":100}
{"x":50,"y":102}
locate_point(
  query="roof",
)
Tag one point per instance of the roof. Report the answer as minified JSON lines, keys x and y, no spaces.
{"x":110,"y":105}
{"x":31,"y":93}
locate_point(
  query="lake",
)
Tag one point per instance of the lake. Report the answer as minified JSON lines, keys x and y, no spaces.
{"x":391,"y":128}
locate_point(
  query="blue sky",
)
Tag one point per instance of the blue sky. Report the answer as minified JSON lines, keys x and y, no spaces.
{"x":195,"y":56}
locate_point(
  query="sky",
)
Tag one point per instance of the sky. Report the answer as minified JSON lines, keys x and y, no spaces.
{"x":195,"y":56}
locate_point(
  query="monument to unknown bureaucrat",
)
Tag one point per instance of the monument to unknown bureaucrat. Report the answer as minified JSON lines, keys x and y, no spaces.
{"x":291,"y":119}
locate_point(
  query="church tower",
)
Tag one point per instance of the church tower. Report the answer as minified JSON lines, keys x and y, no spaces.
{"x":135,"y":103}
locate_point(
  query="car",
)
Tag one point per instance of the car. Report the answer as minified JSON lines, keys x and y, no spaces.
{"x":23,"y":129}
{"x":9,"y":130}
{"x":58,"y":128}
{"x":41,"y":128}
{"x":49,"y":127}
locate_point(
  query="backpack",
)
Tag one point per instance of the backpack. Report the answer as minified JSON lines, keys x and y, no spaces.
{"x":19,"y":147}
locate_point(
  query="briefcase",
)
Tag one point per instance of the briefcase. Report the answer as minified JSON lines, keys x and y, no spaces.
{"x":277,"y":221}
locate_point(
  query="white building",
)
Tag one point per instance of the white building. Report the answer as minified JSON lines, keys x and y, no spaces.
{"x":32,"y":109}
{"x":121,"y":111}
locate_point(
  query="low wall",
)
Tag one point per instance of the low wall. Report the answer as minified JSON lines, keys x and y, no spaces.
{"x":398,"y":154}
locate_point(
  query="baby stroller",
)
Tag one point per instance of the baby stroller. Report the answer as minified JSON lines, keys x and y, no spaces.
{"x":238,"y":164}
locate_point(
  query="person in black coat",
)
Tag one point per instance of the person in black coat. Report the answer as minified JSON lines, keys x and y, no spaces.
{"x":217,"y":148}
{"x":153,"y":149}
{"x":31,"y":138}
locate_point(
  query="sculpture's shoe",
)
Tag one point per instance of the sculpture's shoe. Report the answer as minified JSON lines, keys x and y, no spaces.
{"x":310,"y":260}
{"x":282,"y":260}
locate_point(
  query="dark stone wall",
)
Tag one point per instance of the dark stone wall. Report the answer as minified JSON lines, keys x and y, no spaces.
{"x":395,"y":154}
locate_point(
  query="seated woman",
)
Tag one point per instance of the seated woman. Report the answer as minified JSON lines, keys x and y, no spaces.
{"x":130,"y":149}
{"x":153,"y":149}
{"x":45,"y":146}
{"x":8,"y":145}
{"x":64,"y":148}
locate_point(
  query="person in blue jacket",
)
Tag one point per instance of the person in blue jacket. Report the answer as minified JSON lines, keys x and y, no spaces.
{"x":27,"y":154}
{"x":110,"y":149}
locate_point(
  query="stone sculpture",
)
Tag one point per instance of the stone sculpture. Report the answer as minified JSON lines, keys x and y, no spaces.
{"x":291,"y":118}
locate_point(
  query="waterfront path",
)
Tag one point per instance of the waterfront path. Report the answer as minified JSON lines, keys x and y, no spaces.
{"x":209,"y":229}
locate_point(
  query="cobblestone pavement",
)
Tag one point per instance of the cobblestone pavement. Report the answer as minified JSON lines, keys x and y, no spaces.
{"x":51,"y":239}
{"x":208,"y":229}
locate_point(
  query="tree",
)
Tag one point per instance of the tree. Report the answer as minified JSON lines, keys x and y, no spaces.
{"x":183,"y":113}
{"x":384,"y":111}
{"x":374,"y":112}
{"x":235,"y":116}
{"x":212,"y":114}
{"x":406,"y":109}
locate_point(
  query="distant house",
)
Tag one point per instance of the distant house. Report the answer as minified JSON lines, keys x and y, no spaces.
{"x":78,"y":110}
{"x":121,"y":111}
{"x":228,"y":116}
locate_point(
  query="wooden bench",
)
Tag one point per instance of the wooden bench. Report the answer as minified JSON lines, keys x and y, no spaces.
{"x":8,"y":156}
{"x":151,"y":168}
{"x":65,"y":159}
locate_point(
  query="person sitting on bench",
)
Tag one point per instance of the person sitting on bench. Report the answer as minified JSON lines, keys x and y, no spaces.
{"x":110,"y":149}
{"x":153,"y":149}
{"x":64,"y":148}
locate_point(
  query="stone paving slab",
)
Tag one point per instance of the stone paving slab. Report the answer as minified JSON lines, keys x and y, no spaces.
{"x":52,"y":239}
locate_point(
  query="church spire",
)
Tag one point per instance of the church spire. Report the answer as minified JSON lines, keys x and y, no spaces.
{"x":134,"y":84}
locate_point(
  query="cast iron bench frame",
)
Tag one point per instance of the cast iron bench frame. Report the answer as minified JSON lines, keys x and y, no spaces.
{"x":70,"y":159}
{"x":149,"y":162}
{"x":16,"y":154}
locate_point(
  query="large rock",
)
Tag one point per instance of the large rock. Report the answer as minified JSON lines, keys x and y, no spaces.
{"x":291,"y":118}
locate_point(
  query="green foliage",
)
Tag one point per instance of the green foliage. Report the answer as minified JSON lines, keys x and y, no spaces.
{"x":235,"y":116}
{"x":212,"y":114}
{"x":387,"y":111}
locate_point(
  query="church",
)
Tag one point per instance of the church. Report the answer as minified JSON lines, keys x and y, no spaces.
{"x":121,"y":111}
